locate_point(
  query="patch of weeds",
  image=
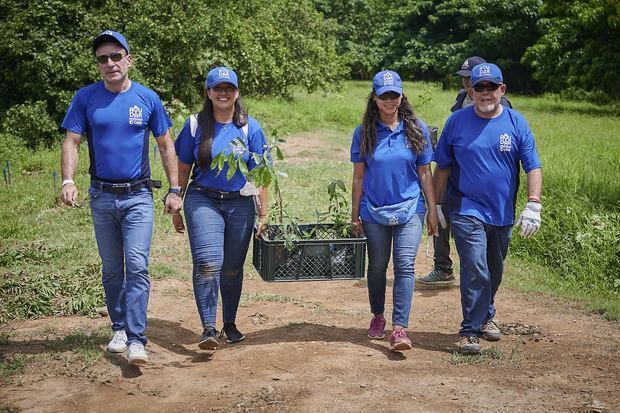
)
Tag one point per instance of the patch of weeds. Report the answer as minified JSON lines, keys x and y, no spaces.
{"x":78,"y":351}
{"x":5,"y":338}
{"x":159,"y":271}
{"x":490,"y":355}
{"x":295,"y":325}
{"x":12,"y":364}
{"x":274,"y":298}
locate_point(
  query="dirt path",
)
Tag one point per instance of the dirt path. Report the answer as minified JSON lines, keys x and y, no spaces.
{"x":306,"y":350}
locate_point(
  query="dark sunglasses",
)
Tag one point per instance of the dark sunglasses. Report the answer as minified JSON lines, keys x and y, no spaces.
{"x":491,"y":87}
{"x":115,"y":57}
{"x":389,"y":96}
{"x":218,"y":89}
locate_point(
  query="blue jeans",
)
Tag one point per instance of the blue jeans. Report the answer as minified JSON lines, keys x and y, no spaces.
{"x":123,"y":228}
{"x":406,"y":239}
{"x":219,"y":235}
{"x":482,"y":249}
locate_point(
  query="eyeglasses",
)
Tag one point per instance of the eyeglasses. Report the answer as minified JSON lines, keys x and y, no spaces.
{"x":115,"y":57}
{"x":491,"y":87}
{"x":389,"y":96}
{"x":217,"y":89}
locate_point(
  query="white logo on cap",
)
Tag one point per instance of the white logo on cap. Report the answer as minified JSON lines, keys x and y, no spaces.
{"x":484,"y":70}
{"x":388,"y":79}
{"x":135,"y":115}
{"x":465,"y":64}
{"x":505,"y":142}
{"x":223,"y":73}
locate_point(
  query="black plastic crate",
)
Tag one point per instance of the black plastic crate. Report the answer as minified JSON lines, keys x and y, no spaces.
{"x":323,"y":257}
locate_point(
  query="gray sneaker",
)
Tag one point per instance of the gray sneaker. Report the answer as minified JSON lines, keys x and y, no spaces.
{"x":491,"y":331}
{"x":469,"y":345}
{"x":437,"y":279}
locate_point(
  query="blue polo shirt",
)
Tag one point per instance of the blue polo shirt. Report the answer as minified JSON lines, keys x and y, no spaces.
{"x":391,"y":174}
{"x":484,"y":156}
{"x":187,"y":151}
{"x":117,"y":126}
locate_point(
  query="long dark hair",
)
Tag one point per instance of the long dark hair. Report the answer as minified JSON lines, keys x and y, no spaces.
{"x":405,"y":113}
{"x":206,"y":121}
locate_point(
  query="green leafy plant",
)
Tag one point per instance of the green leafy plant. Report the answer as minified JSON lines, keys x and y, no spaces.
{"x":266,"y":174}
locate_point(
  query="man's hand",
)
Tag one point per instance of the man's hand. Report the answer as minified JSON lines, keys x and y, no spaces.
{"x":69,"y":194}
{"x":442,"y":218}
{"x":530,"y":220}
{"x":172,"y":203}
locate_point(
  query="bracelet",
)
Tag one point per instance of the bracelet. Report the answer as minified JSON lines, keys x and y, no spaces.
{"x":533,"y":199}
{"x":67,"y":182}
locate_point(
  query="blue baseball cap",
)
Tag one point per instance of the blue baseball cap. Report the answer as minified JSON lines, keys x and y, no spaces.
{"x":486,"y":71}
{"x":469,"y":64}
{"x":387,"y":81}
{"x":221,"y":75}
{"x":110,"y":35}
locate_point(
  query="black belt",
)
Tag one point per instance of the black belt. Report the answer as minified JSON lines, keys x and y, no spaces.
{"x":121,"y":188}
{"x":215,"y":192}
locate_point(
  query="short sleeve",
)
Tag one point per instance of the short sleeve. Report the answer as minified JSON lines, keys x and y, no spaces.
{"x":443,"y":151}
{"x":184,"y":145}
{"x":426,"y":156}
{"x":257,"y":141}
{"x":527,"y":147}
{"x":75,"y":120}
{"x":159,"y":122}
{"x":356,"y":143}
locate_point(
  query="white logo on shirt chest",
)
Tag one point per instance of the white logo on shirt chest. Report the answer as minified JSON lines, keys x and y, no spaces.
{"x":505,"y":142}
{"x":135,"y":115}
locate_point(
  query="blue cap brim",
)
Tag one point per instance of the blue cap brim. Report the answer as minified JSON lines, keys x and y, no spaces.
{"x":495,"y":80}
{"x":386,"y":89}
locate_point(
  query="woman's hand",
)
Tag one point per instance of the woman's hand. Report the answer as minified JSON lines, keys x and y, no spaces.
{"x":357,"y":230}
{"x":432,"y":221}
{"x":177,"y":221}
{"x":261,"y":226}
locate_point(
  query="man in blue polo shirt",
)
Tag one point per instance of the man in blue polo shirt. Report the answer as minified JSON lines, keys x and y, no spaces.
{"x":117,"y":116}
{"x":481,"y":150}
{"x":441,"y":276}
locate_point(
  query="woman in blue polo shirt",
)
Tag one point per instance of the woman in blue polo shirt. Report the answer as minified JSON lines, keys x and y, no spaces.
{"x":391,"y":152}
{"x":219,"y":211}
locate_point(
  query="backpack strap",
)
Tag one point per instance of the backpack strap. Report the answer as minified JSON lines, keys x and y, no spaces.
{"x":193,"y":125}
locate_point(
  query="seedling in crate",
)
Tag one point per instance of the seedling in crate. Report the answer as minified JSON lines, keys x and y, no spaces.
{"x":263,"y":175}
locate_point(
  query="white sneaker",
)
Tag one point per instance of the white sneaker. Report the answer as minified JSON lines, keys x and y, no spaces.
{"x":137,"y":354}
{"x":118,"y":344}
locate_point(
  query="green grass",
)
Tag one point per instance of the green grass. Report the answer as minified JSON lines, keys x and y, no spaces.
{"x":48,"y":256}
{"x":493,"y":356}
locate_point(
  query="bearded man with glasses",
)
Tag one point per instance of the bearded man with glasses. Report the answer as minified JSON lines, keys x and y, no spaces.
{"x":481,"y":151}
{"x":117,"y":116}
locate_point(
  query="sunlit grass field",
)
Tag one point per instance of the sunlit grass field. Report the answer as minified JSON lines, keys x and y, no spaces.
{"x":48,"y":257}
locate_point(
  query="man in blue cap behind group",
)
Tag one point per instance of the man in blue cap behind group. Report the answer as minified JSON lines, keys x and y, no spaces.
{"x":117,"y":116}
{"x":481,"y":151}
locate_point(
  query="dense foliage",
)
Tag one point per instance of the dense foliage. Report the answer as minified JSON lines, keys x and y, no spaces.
{"x":580,"y":47}
{"x":46,"y":50}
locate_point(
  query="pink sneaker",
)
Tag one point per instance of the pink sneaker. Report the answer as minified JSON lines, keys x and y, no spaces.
{"x":399,"y":341}
{"x":377,"y":328}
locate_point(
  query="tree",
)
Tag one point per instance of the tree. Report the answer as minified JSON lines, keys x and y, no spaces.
{"x":579,"y":47}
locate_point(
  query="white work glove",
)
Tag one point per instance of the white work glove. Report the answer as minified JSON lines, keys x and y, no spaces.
{"x":442,"y":218}
{"x":529,"y":220}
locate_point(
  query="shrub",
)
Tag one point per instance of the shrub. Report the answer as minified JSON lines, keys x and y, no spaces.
{"x":30,"y":123}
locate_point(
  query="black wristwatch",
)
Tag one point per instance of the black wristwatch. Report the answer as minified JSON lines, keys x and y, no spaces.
{"x":173,"y":190}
